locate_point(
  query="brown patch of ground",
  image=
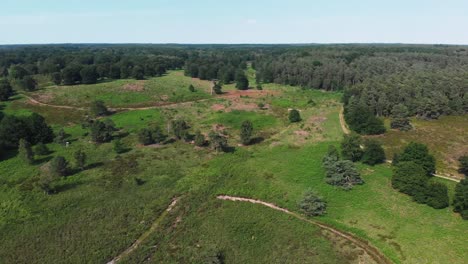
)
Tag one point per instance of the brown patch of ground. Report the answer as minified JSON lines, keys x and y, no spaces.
{"x":218,"y":128}
{"x":217,"y":107}
{"x":248,"y":93}
{"x":135,"y":87}
{"x":301,"y":133}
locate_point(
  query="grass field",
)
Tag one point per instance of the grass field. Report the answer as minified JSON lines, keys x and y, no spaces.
{"x":100,"y":212}
{"x":172,"y":87}
{"x":446,"y":138}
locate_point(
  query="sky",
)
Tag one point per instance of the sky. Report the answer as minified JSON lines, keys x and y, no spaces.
{"x":233,"y":21}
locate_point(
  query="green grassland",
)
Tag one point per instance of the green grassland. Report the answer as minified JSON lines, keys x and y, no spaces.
{"x":172,"y":87}
{"x":99,"y":212}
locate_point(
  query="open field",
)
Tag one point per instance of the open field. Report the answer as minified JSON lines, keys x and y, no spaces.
{"x":172,"y":87}
{"x":446,"y":138}
{"x":99,"y":213}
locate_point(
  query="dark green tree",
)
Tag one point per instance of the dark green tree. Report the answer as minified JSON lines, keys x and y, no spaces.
{"x":61,"y":137}
{"x":217,"y":88}
{"x":242,"y":83}
{"x":145,"y":137}
{"x":460,"y":200}
{"x":437,"y":195}
{"x":102,"y":131}
{"x":118,"y":146}
{"x":351,"y":147}
{"x":59,"y":166}
{"x":5,"y":90}
{"x":294,"y":116}
{"x":410,"y":178}
{"x":373,"y":152}
{"x":56,"y":78}
{"x":342,"y":173}
{"x":41,"y":131}
{"x":463,"y":167}
{"x":80,"y":159}
{"x":246,"y":131}
{"x":419,"y":153}
{"x":89,"y":74}
{"x":138,"y":73}
{"x":25,"y":151}
{"x":191,"y":88}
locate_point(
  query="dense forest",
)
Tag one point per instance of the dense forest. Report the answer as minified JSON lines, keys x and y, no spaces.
{"x":395,"y":81}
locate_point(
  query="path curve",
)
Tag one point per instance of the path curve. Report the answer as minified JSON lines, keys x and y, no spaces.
{"x":368,"y":248}
{"x":145,"y":235}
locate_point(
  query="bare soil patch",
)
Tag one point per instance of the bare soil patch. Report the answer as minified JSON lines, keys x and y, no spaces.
{"x":135,"y":87}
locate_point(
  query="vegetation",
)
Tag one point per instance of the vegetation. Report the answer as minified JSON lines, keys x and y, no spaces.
{"x":351,"y":147}
{"x":460,"y":201}
{"x":246,"y":132}
{"x":312,"y":205}
{"x":294,"y":116}
{"x":341,"y":173}
{"x":418,"y":153}
{"x":25,"y":151}
{"x":463,"y":165}
{"x":373,"y":152}
{"x":98,"y":108}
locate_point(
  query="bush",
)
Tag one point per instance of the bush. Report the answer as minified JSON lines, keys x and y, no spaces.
{"x":351,"y":147}
{"x":463,"y":165}
{"x":294,"y":116}
{"x":199,"y":139}
{"x":59,"y":166}
{"x":218,"y":142}
{"x":180,"y":129}
{"x":341,"y":173}
{"x":118,"y":146}
{"x":191,"y":88}
{"x":145,"y":137}
{"x":25,"y":152}
{"x":217,"y":88}
{"x":98,"y":108}
{"x":460,"y":200}
{"x":437,"y":195}
{"x":402,"y":124}
{"x":80,"y":159}
{"x":246,"y":132}
{"x":312,"y":205}
{"x":410,"y":178}
{"x":102,"y":131}
{"x":373,"y":152}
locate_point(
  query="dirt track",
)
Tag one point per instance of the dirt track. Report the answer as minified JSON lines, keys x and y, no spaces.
{"x":373,"y":252}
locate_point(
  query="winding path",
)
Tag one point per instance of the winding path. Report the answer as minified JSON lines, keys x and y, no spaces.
{"x":146,"y":234}
{"x":368,"y":248}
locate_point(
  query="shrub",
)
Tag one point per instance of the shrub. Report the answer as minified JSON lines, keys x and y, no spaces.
{"x":80,"y":159}
{"x":463,"y":165}
{"x":180,"y":129}
{"x":410,"y":178}
{"x":199,"y":139}
{"x":246,"y":132}
{"x":294,"y":116}
{"x":145,"y":137}
{"x":118,"y":146}
{"x":351,"y":147}
{"x":191,"y":88}
{"x":437,"y":195}
{"x":217,"y":88}
{"x":312,"y":205}
{"x":460,"y":200}
{"x":218,"y":142}
{"x":59,"y":166}
{"x":402,"y":124}
{"x":373,"y":152}
{"x":98,"y":108}
{"x":102,"y":131}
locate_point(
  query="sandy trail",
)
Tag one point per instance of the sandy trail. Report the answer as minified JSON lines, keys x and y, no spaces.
{"x":145,"y":235}
{"x":373,"y":252}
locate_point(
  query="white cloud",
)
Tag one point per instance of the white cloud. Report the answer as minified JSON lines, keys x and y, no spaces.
{"x":251,"y":21}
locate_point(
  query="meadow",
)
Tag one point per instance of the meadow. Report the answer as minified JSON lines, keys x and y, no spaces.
{"x":99,"y":212}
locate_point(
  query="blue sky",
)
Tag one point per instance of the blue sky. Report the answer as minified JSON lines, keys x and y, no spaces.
{"x":238,"y":21}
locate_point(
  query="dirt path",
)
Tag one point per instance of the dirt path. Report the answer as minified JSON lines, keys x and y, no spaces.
{"x":146,"y":234}
{"x":369,"y":249}
{"x":343,"y":124}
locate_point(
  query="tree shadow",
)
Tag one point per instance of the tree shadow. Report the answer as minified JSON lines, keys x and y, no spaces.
{"x":229,"y":149}
{"x":256,"y":140}
{"x":42,"y":160}
{"x":65,"y":187}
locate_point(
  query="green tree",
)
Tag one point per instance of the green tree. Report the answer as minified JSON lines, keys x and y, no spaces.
{"x":437,"y":195}
{"x":242,"y":83}
{"x":312,"y":204}
{"x":199,"y":139}
{"x":17,"y":72}
{"x":5,"y":90}
{"x":89,"y":74}
{"x":98,"y":108}
{"x":102,"y":131}
{"x":25,"y":151}
{"x":118,"y":146}
{"x":460,"y":200}
{"x":217,"y":88}
{"x":246,"y":131}
{"x":419,"y":154}
{"x":28,"y":83}
{"x":80,"y":159}
{"x":158,"y":135}
{"x":41,"y":149}
{"x":342,"y":173}
{"x":138,"y":73}
{"x":61,"y":137}
{"x":56,"y":78}
{"x":59,"y":166}
{"x":294,"y":116}
{"x":463,"y":167}
{"x":45,"y":182}
{"x":145,"y":137}
{"x":351,"y":147}
{"x":410,"y":178}
{"x":41,"y":131}
{"x":180,"y":129}
{"x":373,"y":152}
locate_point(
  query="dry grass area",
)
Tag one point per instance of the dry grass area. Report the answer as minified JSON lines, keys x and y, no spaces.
{"x":447,"y":139}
